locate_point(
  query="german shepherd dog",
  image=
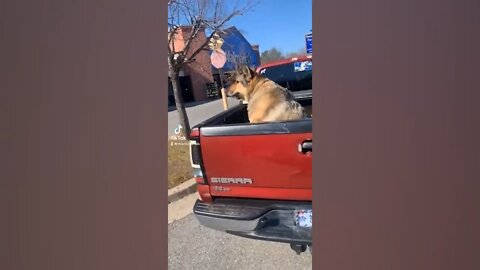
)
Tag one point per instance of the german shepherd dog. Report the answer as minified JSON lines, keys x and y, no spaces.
{"x":267,"y":101}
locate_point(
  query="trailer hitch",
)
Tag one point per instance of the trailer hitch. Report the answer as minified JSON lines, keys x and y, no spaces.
{"x":298,"y":248}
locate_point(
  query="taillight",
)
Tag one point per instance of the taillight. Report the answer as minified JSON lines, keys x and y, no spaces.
{"x":196,"y":158}
{"x":197,"y":163}
{"x":195,"y":154}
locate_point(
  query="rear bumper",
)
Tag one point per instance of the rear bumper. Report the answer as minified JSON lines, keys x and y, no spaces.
{"x":258,"y":219}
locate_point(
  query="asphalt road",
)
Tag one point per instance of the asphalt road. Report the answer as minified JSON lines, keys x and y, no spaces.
{"x":198,"y":113}
{"x":192,"y":246}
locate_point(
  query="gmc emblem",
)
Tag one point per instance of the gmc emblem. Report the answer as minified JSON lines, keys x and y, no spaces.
{"x":228,"y":180}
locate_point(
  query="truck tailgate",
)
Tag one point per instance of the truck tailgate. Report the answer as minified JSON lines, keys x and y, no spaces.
{"x":267,"y":161}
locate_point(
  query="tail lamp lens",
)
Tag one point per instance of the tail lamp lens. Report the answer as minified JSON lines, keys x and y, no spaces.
{"x":196,"y":160}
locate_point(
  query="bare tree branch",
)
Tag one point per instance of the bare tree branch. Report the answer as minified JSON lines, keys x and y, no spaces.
{"x":210,"y":16}
{"x":201,"y":23}
{"x":216,"y":11}
{"x":171,"y":40}
{"x":215,"y":29}
{"x":173,"y":28}
{"x":193,"y":35}
{"x":188,"y":12}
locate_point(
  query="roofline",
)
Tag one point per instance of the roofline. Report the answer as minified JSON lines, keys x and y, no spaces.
{"x":233,"y":28}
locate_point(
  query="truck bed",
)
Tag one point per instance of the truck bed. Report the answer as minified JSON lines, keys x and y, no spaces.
{"x":238,"y":115}
{"x":257,"y":161}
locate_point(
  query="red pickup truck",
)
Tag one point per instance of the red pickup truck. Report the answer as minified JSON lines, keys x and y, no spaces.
{"x":255,"y":180}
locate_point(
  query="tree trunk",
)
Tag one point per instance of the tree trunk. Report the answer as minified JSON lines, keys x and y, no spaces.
{"x":182,"y":113}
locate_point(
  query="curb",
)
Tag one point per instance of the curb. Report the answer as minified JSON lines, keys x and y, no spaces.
{"x":182,"y":190}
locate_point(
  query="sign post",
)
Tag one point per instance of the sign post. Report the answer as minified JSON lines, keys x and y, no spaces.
{"x":218,"y":59}
{"x":222,"y":90}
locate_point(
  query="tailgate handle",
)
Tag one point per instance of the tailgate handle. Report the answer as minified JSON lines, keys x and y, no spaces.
{"x":305,"y":147}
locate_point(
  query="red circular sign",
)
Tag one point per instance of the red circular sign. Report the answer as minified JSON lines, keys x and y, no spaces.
{"x":218,"y":58}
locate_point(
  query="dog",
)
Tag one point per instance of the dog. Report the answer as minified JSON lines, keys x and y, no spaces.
{"x":266,"y":100}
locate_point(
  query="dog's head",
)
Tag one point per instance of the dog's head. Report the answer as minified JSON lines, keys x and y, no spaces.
{"x":239,"y":82}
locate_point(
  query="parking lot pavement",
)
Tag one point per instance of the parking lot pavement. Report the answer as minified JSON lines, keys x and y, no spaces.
{"x":198,"y":113}
{"x":192,"y":246}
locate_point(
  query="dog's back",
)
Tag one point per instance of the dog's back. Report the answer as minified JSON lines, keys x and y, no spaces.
{"x":270,"y":102}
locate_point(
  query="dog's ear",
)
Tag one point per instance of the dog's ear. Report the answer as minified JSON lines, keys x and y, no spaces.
{"x":247,"y":72}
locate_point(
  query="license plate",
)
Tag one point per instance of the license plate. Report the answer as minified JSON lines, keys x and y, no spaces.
{"x":303,"y":218}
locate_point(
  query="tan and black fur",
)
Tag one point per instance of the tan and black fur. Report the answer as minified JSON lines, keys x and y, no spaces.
{"x":267,"y":101}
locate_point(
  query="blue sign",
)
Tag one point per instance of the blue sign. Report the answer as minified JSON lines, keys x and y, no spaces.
{"x":238,"y":50}
{"x":308,"y":41}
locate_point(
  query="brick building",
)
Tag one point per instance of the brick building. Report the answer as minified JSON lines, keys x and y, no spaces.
{"x":196,"y":76}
